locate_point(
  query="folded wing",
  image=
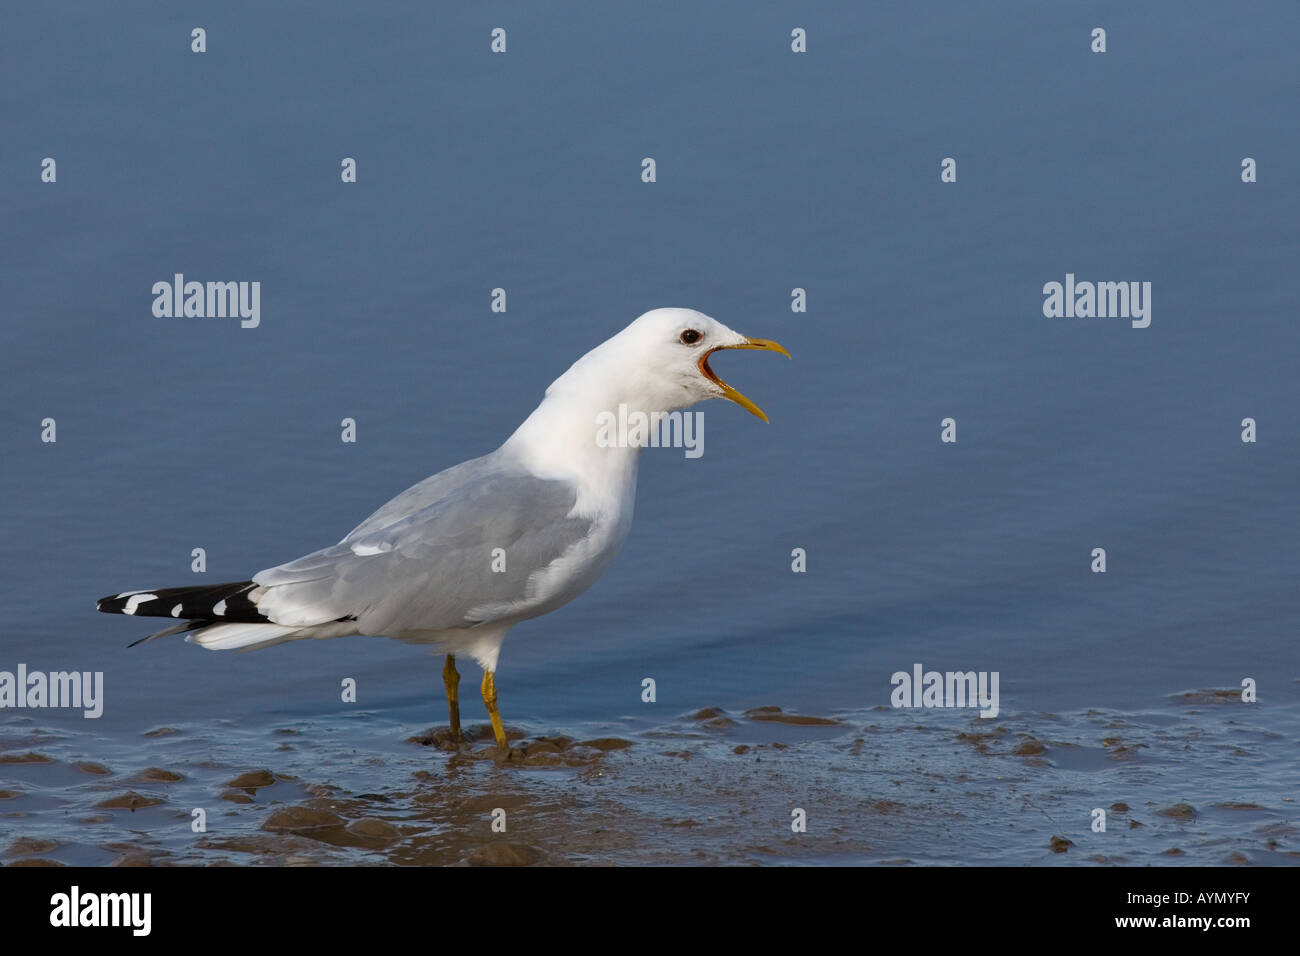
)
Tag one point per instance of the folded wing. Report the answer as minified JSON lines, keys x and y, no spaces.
{"x":457,"y":549}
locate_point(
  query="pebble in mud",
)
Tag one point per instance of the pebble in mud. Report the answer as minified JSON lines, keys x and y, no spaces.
{"x":372,"y":828}
{"x":483,"y":804}
{"x":980,"y":740}
{"x":504,"y":854}
{"x":29,"y":846}
{"x":545,"y":759}
{"x":10,"y":794}
{"x":1179,"y":811}
{"x":555,"y":751}
{"x":1030,"y":747}
{"x":253,"y":780}
{"x":92,"y":768}
{"x":129,"y":801}
{"x":776,"y":715}
{"x":156,"y":775}
{"x":441,"y":738}
{"x":713,"y":718}
{"x":29,"y":757}
{"x":1123,"y":751}
{"x":1060,"y":844}
{"x":1227,"y":695}
{"x":303,"y":821}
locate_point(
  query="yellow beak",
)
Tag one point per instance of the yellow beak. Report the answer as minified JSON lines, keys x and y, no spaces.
{"x":727,"y":391}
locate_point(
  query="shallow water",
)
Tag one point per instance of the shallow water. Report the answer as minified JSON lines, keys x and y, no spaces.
{"x":775,"y":171}
{"x":878,"y":786}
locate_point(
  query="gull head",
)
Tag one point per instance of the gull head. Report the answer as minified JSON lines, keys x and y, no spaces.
{"x":661,"y":361}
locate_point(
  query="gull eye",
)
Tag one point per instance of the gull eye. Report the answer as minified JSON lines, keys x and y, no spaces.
{"x":691,"y":336}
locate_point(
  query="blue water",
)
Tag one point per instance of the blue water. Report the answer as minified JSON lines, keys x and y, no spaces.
{"x":775,"y":171}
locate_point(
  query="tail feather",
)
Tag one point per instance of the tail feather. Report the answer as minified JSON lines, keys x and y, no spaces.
{"x":244,"y":637}
{"x":220,"y":617}
{"x":208,"y":602}
{"x":168,"y":632}
{"x":219,"y":636}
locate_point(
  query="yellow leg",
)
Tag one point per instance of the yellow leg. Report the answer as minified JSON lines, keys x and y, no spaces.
{"x":490,"y":701}
{"x":451,"y":681}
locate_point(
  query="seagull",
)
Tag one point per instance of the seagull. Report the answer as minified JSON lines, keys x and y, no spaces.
{"x":460,"y":558}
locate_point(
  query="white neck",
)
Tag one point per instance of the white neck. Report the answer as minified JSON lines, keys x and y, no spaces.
{"x":558,"y":440}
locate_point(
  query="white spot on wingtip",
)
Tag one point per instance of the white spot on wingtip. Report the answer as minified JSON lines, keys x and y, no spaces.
{"x":138,"y":599}
{"x":176,"y":611}
{"x":366,"y":549}
{"x":219,"y":608}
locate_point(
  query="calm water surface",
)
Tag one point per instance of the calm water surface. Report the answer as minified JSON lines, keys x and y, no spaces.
{"x":775,"y":171}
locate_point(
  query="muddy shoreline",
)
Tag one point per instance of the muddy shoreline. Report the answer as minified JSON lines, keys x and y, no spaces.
{"x":882,"y":786}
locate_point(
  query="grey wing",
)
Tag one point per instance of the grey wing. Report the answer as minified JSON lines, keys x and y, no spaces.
{"x":475,"y":546}
{"x":430,"y":491}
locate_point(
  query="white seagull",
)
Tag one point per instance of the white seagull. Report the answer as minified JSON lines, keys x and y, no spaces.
{"x":459,"y":559}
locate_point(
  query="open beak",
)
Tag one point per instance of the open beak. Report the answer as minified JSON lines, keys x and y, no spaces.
{"x":727,"y":391}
